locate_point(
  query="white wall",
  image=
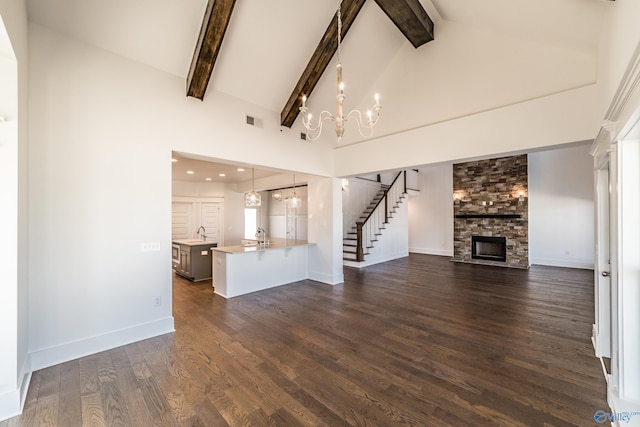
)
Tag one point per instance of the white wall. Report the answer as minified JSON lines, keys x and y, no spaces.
{"x":468,"y":70}
{"x":325,"y":230}
{"x":14,"y":362}
{"x":544,"y":122}
{"x":102,"y":132}
{"x":233,"y":217}
{"x":561,"y":208}
{"x":619,"y":40}
{"x":431,"y":212}
{"x":356,"y":195}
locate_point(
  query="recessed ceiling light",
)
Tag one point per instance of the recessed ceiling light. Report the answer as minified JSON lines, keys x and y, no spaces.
{"x":190,"y":172}
{"x":208,"y":179}
{"x":174,"y":160}
{"x":221,"y":174}
{"x":240,"y":170}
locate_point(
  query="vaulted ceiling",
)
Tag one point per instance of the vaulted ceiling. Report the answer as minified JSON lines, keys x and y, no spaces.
{"x":268,"y":44}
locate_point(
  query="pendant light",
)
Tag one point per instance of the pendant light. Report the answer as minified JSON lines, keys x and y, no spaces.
{"x":252,"y":199}
{"x":295,"y":201}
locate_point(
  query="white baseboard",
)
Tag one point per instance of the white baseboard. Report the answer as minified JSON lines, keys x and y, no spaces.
{"x":329,"y":279}
{"x":552,"y":262}
{"x":12,"y":402}
{"x":44,"y":358}
{"x":375,"y":260}
{"x":623,"y":412}
{"x":426,"y":251}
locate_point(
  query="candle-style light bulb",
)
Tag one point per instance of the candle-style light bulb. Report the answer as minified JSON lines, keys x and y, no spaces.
{"x":304,"y":100}
{"x":377,"y":97}
{"x":341,"y":86}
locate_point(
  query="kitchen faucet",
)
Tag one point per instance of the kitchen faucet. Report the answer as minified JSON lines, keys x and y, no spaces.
{"x":204,"y":236}
{"x":261,"y":234}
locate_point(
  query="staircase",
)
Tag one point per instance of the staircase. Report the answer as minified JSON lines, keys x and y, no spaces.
{"x":371,"y":223}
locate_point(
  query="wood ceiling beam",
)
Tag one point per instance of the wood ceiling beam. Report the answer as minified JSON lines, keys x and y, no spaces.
{"x":410,"y":18}
{"x":214,"y":25}
{"x":319,"y":60}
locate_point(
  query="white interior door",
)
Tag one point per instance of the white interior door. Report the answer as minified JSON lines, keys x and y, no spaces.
{"x":210,"y":220}
{"x":181,"y":220}
{"x":602,"y":327}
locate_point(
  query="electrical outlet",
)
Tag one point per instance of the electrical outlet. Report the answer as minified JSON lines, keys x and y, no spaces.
{"x":150,"y":247}
{"x":157,"y":301}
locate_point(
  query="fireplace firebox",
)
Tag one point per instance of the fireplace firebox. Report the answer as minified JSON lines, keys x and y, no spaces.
{"x":489,"y":248}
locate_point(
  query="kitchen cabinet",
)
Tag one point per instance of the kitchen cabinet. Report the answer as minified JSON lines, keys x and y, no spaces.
{"x":194,"y":259}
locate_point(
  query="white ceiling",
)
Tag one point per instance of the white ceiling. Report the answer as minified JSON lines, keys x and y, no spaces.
{"x":268,"y":43}
{"x":204,"y":168}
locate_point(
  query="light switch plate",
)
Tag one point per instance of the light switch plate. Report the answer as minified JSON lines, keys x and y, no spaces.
{"x":150,"y":247}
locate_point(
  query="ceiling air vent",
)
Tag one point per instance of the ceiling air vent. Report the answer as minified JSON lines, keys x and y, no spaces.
{"x":303,"y":136}
{"x":251,"y":120}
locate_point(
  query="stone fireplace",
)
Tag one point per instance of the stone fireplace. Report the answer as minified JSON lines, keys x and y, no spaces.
{"x":491,"y":212}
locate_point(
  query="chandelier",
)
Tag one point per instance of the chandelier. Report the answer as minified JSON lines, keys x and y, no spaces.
{"x":365,"y":128}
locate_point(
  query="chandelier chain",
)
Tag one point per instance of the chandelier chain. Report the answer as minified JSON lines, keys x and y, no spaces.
{"x":339,"y":30}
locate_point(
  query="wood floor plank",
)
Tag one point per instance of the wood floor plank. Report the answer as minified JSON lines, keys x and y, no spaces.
{"x":137,"y":409}
{"x":414,"y":341}
{"x":70,"y":409}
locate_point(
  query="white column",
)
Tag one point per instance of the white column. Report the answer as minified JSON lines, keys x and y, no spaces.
{"x":9,"y":394}
{"x":629,"y":271}
{"x":325,"y":230}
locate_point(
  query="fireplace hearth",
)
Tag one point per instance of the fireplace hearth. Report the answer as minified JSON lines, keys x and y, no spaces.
{"x":489,"y":248}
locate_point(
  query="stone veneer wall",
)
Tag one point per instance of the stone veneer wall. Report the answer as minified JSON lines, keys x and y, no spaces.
{"x":492,"y":187}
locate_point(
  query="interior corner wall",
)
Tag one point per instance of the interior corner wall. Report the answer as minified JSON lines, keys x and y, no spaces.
{"x":431,"y":212}
{"x":561,"y":208}
{"x":620,"y":38}
{"x":14,"y":358}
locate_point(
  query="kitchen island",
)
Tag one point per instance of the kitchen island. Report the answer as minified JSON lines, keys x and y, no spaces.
{"x":191,"y":258}
{"x":242,"y":269}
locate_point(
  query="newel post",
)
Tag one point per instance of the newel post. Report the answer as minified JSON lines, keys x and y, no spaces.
{"x":359,"y":248}
{"x":405,"y":183}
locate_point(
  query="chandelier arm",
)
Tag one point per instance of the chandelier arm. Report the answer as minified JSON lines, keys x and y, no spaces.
{"x":306,"y":122}
{"x":357,"y":115}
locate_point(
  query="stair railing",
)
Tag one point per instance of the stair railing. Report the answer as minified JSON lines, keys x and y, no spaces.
{"x":368,"y":229}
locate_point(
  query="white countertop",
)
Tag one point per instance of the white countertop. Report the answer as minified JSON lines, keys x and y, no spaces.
{"x":193,"y":242}
{"x":274,"y":243}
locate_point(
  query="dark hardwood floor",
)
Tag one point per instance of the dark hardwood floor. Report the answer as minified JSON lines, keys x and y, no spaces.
{"x":417,"y":341}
